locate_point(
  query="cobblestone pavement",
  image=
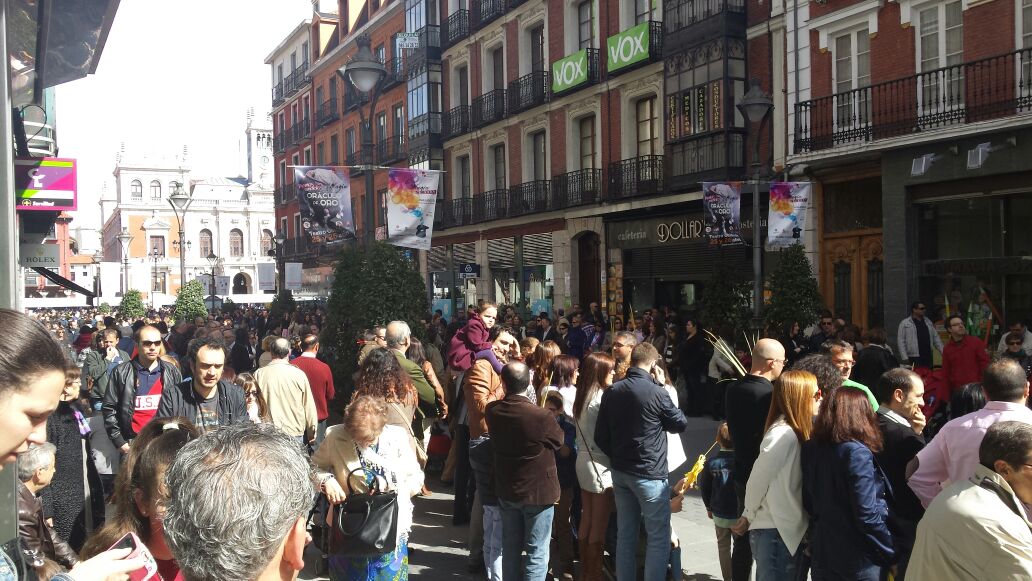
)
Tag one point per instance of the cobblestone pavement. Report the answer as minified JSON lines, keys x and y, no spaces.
{"x":440,"y":548}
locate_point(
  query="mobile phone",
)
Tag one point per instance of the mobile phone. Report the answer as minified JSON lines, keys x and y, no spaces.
{"x":138,"y":549}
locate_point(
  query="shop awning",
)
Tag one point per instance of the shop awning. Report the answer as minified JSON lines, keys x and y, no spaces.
{"x":62,"y":281}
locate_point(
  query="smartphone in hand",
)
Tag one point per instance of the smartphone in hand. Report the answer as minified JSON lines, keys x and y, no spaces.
{"x":150,"y":569}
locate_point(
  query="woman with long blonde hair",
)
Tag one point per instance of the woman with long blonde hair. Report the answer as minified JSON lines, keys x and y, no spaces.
{"x":545,"y":353}
{"x":773,"y":512}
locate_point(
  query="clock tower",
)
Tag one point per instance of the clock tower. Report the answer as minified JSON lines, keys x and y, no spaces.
{"x":259,"y":154}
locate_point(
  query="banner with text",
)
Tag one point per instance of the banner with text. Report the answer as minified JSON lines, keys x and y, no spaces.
{"x":324,"y":196}
{"x":722,"y":208}
{"x":293,"y":274}
{"x":411,"y":200}
{"x":787,"y":213}
{"x":266,"y":276}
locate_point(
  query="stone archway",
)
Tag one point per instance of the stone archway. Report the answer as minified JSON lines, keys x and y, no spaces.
{"x":241,"y":284}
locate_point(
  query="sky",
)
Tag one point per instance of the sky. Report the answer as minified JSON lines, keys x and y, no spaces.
{"x":173,"y":74}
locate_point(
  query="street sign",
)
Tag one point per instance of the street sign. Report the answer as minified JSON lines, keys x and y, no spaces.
{"x":40,"y":255}
{"x":469,"y":270}
{"x":407,"y":40}
{"x":46,"y":184}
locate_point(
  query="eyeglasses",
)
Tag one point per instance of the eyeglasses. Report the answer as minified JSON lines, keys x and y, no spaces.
{"x":1014,"y":342}
{"x":150,"y":343}
{"x":251,"y":393}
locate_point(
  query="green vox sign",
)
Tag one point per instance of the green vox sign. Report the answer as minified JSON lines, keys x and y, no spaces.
{"x":628,"y":47}
{"x":570,"y":71}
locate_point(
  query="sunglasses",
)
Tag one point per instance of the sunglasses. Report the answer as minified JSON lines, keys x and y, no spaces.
{"x":251,"y":393}
{"x":150,"y":343}
{"x":1014,"y":342}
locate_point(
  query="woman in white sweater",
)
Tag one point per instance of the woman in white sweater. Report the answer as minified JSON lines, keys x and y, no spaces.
{"x":773,"y":513}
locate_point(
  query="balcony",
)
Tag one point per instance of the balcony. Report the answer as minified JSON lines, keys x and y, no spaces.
{"x":636,"y":177}
{"x":429,"y":47}
{"x":634,"y":47}
{"x":454,"y":212}
{"x":513,"y":4}
{"x":528,"y":92}
{"x":277,"y":94}
{"x":575,"y":188}
{"x":327,"y":112}
{"x":391,"y":150}
{"x":456,"y":122}
{"x":295,"y":246}
{"x":425,"y":131}
{"x":530,"y":198}
{"x":395,"y":70}
{"x":353,"y":98}
{"x":289,"y":192}
{"x":490,"y":205}
{"x":715,"y":156}
{"x":488,"y":108}
{"x":981,"y":90}
{"x":279,"y":141}
{"x":692,"y":22}
{"x":483,"y":12}
{"x":297,"y":80}
{"x":300,"y":131}
{"x":576,"y":71}
{"x":357,"y":161}
{"x":456,"y":28}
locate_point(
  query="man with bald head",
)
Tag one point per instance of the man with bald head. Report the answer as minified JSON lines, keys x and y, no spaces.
{"x":288,"y":394}
{"x":747,"y":403}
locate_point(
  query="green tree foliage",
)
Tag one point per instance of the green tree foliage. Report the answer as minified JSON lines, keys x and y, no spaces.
{"x":794,"y":293}
{"x":371,"y":287}
{"x":105,"y":309}
{"x":283,"y":303}
{"x":726,"y":300}
{"x":190,"y":302}
{"x":132,"y":308}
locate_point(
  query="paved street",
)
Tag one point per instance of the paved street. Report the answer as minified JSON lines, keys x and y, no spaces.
{"x":440,"y":548}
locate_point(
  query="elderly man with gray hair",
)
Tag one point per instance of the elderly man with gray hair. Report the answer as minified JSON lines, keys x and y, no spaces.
{"x":239,"y":498}
{"x":35,"y":471}
{"x":288,"y":394}
{"x":399,"y":337}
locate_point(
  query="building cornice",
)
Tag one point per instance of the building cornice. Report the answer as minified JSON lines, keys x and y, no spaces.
{"x":288,"y":40}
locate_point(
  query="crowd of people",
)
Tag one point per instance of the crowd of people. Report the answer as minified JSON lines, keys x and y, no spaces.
{"x":561,"y":439}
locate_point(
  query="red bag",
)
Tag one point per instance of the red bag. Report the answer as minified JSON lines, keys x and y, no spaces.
{"x":440,"y":445}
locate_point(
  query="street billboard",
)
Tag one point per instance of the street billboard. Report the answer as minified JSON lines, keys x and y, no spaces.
{"x":324,"y":197}
{"x":45,"y":184}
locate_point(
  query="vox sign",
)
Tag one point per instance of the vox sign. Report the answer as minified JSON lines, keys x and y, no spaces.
{"x":628,"y":47}
{"x":570,"y":71}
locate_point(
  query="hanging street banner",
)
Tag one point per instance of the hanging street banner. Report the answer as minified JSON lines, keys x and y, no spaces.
{"x":293,"y":275}
{"x":628,"y":48}
{"x":411,"y":200}
{"x":324,"y":196}
{"x":44,"y":183}
{"x":266,"y":276}
{"x":222,"y":285}
{"x":570,"y":71}
{"x":787,"y":213}
{"x":722,"y":208}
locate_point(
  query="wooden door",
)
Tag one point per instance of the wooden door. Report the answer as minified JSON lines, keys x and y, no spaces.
{"x":852,"y":277}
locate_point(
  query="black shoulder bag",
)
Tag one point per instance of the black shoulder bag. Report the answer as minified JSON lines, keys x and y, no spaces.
{"x":366,"y":525}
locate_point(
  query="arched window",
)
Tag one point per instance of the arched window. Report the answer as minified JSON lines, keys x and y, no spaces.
{"x":136,"y":190}
{"x":172,"y":186}
{"x":205,"y":243}
{"x":155,"y":190}
{"x":236,"y":242}
{"x":266,"y":242}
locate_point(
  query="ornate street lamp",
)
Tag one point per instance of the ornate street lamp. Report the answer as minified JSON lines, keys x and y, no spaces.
{"x":366,"y":74}
{"x":124,"y":238}
{"x":756,"y":106}
{"x":155,"y":257}
{"x":180,"y":202}
{"x":277,"y":251}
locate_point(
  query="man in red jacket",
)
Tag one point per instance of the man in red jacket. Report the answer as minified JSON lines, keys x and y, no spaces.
{"x":320,"y":378}
{"x":964,"y":358}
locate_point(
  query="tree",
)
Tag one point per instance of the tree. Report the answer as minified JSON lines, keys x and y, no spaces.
{"x":726,"y":300}
{"x":105,"y":308}
{"x":190,"y":302}
{"x":132,"y":308}
{"x":371,"y":287}
{"x":283,"y":303}
{"x":794,"y":297}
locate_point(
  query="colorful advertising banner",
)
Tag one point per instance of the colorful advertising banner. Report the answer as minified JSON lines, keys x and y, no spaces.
{"x":44,"y":183}
{"x":722,"y":208}
{"x":411,"y":200}
{"x":266,"y":276}
{"x":324,"y":196}
{"x":570,"y":71}
{"x":628,"y":48}
{"x":787,"y":213}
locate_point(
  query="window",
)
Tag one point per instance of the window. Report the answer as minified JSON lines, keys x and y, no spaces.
{"x":308,"y":156}
{"x":498,"y":158}
{"x":585,"y":25}
{"x":381,"y":127}
{"x":266,"y":242}
{"x":173,"y":186}
{"x":205,"y":243}
{"x":463,"y":84}
{"x":304,"y":52}
{"x":236,"y":243}
{"x":136,"y":190}
{"x":380,"y":54}
{"x":159,"y":282}
{"x":537,"y":49}
{"x":698,"y":84}
{"x":282,"y":227}
{"x":297,"y":225}
{"x":647,"y":124}
{"x":940,"y":44}
{"x":852,"y":71}
{"x":1026,"y":42}
{"x":498,"y":69}
{"x":398,"y":120}
{"x":320,"y":153}
{"x":424,"y":96}
{"x":334,"y":150}
{"x":587,"y":142}
{"x":643,"y":10}
{"x":279,"y":74}
{"x":381,"y":204}
{"x":156,"y":244}
{"x":464,"y":177}
{"x":293,"y":61}
{"x":155,"y":190}
{"x":349,"y":142}
{"x":539,"y":159}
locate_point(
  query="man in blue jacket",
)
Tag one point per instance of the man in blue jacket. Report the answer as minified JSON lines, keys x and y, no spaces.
{"x":633,"y":420}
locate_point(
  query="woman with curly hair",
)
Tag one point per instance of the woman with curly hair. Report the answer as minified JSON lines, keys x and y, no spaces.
{"x":382,"y":376}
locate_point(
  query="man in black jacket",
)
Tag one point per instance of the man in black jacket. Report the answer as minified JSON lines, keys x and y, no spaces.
{"x":633,"y":419}
{"x":747,"y":404}
{"x":135,"y":388}
{"x":901,"y":394}
{"x":204,"y":399}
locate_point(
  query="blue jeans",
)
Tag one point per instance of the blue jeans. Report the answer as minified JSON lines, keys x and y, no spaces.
{"x":525,"y":527}
{"x":639,"y":499}
{"x":773,"y":561}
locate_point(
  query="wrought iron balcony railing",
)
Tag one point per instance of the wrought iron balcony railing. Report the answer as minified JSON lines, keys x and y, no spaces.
{"x":456,"y":122}
{"x":395,"y":69}
{"x":483,"y":12}
{"x":391,"y":150}
{"x":529,"y":91}
{"x":280,"y":140}
{"x":488,"y":108}
{"x":592,"y":77}
{"x":530,"y":198}
{"x":456,"y":28}
{"x":277,"y":94}
{"x":327,"y":112}
{"x":583,"y":186}
{"x":300,"y":131}
{"x":634,"y":177}
{"x":989,"y":88}
{"x":490,"y":205}
{"x":681,"y":14}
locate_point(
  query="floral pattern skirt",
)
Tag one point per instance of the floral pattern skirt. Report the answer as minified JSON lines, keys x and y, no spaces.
{"x":391,"y":566}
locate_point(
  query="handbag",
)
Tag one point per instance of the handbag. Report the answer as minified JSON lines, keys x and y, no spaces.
{"x":366,"y":525}
{"x":594,"y":464}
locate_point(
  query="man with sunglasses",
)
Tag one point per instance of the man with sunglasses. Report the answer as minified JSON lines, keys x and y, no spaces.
{"x":135,"y":389}
{"x":916,"y":337}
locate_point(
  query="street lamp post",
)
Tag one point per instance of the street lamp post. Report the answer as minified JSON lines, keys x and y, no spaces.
{"x":124,"y":238}
{"x":755,"y":106}
{"x":155,"y":257}
{"x":277,"y":250}
{"x":180,"y":202}
{"x":212,"y":260}
{"x":365,"y":73}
